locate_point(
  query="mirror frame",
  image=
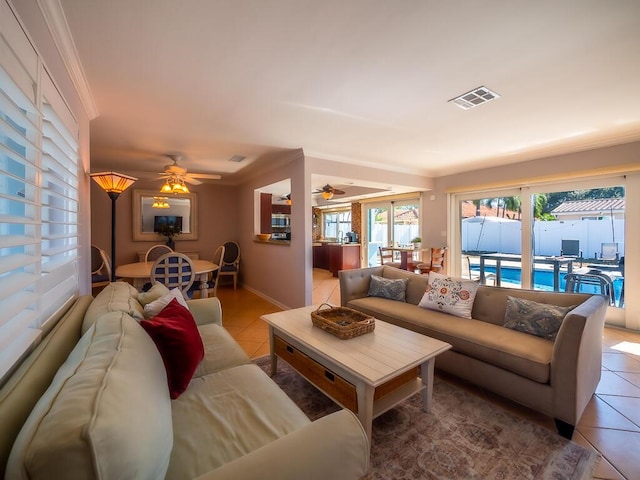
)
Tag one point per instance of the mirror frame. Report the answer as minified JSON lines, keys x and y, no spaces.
{"x":136,"y":218}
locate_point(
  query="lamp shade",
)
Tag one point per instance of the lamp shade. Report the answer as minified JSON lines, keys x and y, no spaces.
{"x":327,"y":195}
{"x":112,"y":182}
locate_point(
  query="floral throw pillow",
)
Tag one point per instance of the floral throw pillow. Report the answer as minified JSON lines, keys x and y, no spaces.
{"x":391,"y":288}
{"x":449,"y":295}
{"x":540,"y":319}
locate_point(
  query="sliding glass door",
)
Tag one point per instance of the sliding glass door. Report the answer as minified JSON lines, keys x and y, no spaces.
{"x":547,"y":237}
{"x":391,"y":223}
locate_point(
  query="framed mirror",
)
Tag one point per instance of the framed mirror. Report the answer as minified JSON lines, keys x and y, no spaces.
{"x":151,"y":210}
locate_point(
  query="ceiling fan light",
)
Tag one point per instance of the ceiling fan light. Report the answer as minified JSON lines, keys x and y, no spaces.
{"x":327,"y":195}
{"x":166,"y":188}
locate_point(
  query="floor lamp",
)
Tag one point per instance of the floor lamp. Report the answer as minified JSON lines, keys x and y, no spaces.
{"x":114,"y":184}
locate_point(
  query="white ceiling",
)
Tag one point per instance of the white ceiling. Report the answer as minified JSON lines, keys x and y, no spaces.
{"x":364,"y":81}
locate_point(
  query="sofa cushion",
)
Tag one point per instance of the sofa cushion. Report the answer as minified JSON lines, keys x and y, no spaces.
{"x":220,"y":350}
{"x":155,"y":292}
{"x":176,"y":335}
{"x":517,"y":352}
{"x":449,"y":295}
{"x":154,"y":308}
{"x":239,"y":410}
{"x":394,"y":289}
{"x":115,"y":297}
{"x":416,"y":284}
{"x":540,"y":319}
{"x":106,"y":414}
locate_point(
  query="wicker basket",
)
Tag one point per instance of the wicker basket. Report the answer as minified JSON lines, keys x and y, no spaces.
{"x":342,"y":322}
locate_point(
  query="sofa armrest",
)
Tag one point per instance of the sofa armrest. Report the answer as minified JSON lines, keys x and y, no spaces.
{"x":206,"y":310}
{"x":334,"y":447}
{"x":577,"y":359}
{"x":355,"y":283}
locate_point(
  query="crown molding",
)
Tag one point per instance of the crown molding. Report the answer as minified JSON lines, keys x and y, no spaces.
{"x":59,"y":28}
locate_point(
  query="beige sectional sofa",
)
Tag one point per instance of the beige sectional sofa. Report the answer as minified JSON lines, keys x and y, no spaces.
{"x":557,"y":378}
{"x":92,"y":401}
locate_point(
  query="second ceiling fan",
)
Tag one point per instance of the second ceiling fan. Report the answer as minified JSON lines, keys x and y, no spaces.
{"x":328,"y":192}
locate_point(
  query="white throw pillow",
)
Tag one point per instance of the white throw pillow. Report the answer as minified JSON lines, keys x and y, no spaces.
{"x":155,"y":292}
{"x":449,"y":295}
{"x":154,"y":308}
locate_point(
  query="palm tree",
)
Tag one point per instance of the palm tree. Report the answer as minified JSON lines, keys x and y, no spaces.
{"x":514,"y":204}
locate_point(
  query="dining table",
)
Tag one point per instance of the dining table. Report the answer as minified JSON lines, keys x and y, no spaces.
{"x":140,"y":273}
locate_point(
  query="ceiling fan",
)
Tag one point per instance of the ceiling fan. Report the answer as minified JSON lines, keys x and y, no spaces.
{"x":328,"y":192}
{"x":176,"y":177}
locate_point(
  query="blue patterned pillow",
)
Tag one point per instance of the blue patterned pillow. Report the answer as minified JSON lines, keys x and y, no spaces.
{"x":540,"y":319}
{"x":449,"y":295}
{"x":393,"y":289}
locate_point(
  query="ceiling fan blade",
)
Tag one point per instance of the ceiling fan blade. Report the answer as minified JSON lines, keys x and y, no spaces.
{"x":337,"y":192}
{"x":191,"y":180}
{"x":205,"y":176}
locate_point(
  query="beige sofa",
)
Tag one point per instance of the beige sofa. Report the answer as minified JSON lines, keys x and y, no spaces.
{"x":91,"y":401}
{"x":557,"y":378}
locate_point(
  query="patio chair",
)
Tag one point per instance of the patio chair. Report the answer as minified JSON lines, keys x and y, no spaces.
{"x":608,"y":252}
{"x":571,"y":248}
{"x":467,"y":273}
{"x":174,"y":270}
{"x":575,"y":281}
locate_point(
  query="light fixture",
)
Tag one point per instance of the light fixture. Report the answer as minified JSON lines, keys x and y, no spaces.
{"x":114,"y":184}
{"x":174,"y":184}
{"x":160,"y":202}
{"x":288,"y":199}
{"x":327,"y":195}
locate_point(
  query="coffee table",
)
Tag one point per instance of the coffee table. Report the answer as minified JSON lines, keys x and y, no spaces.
{"x":369,"y":374}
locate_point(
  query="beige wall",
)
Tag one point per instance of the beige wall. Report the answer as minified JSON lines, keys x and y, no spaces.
{"x":217,"y":215}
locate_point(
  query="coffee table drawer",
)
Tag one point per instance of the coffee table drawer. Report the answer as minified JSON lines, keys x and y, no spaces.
{"x":329,"y":382}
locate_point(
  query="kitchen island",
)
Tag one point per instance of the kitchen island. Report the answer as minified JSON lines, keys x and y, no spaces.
{"x":336,"y":256}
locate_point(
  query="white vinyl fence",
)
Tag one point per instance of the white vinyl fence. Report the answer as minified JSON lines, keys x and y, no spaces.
{"x":495,"y":234}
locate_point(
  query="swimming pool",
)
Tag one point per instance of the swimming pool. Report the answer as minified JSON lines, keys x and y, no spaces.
{"x":543,"y":280}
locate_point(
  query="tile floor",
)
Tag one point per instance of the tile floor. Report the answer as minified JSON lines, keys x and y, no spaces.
{"x":610,"y":424}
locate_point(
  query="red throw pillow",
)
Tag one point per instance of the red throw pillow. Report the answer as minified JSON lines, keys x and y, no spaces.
{"x":176,"y":335}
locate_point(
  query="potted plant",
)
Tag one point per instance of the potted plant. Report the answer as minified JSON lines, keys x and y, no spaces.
{"x":417,"y":243}
{"x":169,"y":230}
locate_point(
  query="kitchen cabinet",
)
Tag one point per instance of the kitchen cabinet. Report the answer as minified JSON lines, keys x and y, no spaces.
{"x":265,"y":213}
{"x":321,"y":256}
{"x":343,"y":257}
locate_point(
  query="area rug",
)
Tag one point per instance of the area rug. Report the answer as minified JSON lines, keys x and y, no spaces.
{"x":463,"y":437}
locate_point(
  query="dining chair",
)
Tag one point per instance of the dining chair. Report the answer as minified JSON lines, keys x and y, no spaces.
{"x":100,"y":267}
{"x":212,"y":282}
{"x":156,"y":251}
{"x":435,"y":263}
{"x":174,"y":270}
{"x":230,"y":264}
{"x":387,"y":258}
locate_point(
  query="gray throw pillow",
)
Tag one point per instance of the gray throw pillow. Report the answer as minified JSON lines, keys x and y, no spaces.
{"x":540,"y":319}
{"x":393,"y":289}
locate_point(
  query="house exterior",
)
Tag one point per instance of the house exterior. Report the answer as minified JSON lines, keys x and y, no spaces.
{"x":597,"y":209}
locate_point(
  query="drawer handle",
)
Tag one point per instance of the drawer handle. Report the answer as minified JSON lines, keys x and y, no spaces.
{"x":330,"y":376}
{"x":289,"y":349}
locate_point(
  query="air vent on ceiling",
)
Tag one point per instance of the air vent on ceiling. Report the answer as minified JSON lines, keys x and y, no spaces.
{"x":475,"y":97}
{"x":237,"y":158}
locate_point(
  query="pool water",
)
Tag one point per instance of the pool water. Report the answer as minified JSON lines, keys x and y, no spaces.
{"x":543,"y":280}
